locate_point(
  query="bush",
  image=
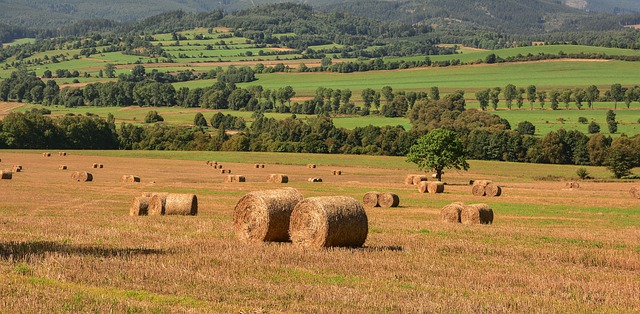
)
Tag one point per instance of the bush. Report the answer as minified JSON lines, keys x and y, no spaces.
{"x":153,"y":116}
{"x":582,"y":173}
{"x":613,"y":127}
{"x":526,"y":127}
{"x":582,"y":120}
{"x":593,"y":127}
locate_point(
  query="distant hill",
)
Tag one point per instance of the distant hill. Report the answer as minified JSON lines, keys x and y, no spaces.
{"x":510,"y":16}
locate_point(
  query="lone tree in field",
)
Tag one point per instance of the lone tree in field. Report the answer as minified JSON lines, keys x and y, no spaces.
{"x":437,"y":150}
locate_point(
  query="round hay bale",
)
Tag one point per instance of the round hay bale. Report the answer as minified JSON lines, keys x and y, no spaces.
{"x":62,"y":154}
{"x":240,"y":178}
{"x":95,"y":166}
{"x":493,"y":190}
{"x":478,"y":190}
{"x":223,"y":171}
{"x":219,"y":166}
{"x":329,"y":221}
{"x":423,"y":186}
{"x":278,"y":178}
{"x":47,"y":154}
{"x":471,"y":182}
{"x":311,"y":166}
{"x":451,"y":212}
{"x":337,"y":172}
{"x":129,"y":178}
{"x":229,"y":179}
{"x":100,"y":166}
{"x":419,"y":178}
{"x":139,"y":206}
{"x":181,"y":204}
{"x":315,"y":179}
{"x":635,"y":192}
{"x":262,"y":166}
{"x":371,"y":199}
{"x":62,"y":167}
{"x":157,"y":204}
{"x":257,"y":166}
{"x":476,"y":214}
{"x":408,"y":180}
{"x":19,"y":167}
{"x":265,"y":215}
{"x":6,"y":175}
{"x":388,"y":200}
{"x":435,"y":187}
{"x":82,"y":176}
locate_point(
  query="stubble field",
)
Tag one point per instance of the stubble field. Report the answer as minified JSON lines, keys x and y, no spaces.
{"x":67,"y":246}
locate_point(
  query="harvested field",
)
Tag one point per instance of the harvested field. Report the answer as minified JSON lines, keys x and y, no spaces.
{"x":66,"y":246}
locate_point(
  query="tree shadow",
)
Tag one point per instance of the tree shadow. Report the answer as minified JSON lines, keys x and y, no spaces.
{"x":26,"y":251}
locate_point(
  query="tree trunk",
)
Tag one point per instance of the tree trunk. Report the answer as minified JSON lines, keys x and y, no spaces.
{"x":439,"y":174}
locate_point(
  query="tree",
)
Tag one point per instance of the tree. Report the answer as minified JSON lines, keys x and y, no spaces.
{"x":437,"y":150}
{"x":554,"y":95}
{"x":434,"y":93}
{"x":542,"y":95}
{"x":531,"y":95}
{"x":200,"y":120}
{"x":591,"y":94}
{"x":617,"y":94}
{"x":483,"y":98}
{"x":565,"y":97}
{"x":611,"y":122}
{"x":153,"y":116}
{"x":597,"y":148}
{"x":593,"y":127}
{"x":520,"y":97}
{"x":621,"y":157}
{"x":387,"y":93}
{"x":110,"y":70}
{"x":526,"y":127}
{"x":509,"y":94}
{"x":579,"y":95}
{"x":494,"y":95}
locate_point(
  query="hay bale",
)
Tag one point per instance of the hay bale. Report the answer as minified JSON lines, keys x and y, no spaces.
{"x":262,"y":166}
{"x":95,"y":166}
{"x":223,"y":171}
{"x":371,"y":199}
{"x":635,"y":192}
{"x":100,"y":166}
{"x":62,"y":154}
{"x":311,"y":166}
{"x":329,"y":221}
{"x":17,"y":169}
{"x":481,"y":182}
{"x":129,"y":178}
{"x":46,"y":154}
{"x":139,"y":206}
{"x":435,"y":187}
{"x":181,"y":204}
{"x":572,"y":185}
{"x":471,"y":182}
{"x":265,"y":215}
{"x":82,"y":176}
{"x":257,"y":166}
{"x":476,"y":214}
{"x":218,"y":166}
{"x":6,"y":175}
{"x":147,"y":194}
{"x":337,"y":172}
{"x":408,"y":180}
{"x":315,"y":179}
{"x":157,"y":203}
{"x":493,"y":189}
{"x":278,"y":178}
{"x":423,"y":186}
{"x":478,"y":190}
{"x":62,"y":167}
{"x":419,"y":178}
{"x":234,"y":178}
{"x":388,"y":200}
{"x":451,"y":212}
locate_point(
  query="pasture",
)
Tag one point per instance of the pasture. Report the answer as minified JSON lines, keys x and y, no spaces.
{"x":67,"y":246}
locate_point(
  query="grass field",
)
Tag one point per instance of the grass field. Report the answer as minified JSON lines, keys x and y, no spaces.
{"x":72,"y":247}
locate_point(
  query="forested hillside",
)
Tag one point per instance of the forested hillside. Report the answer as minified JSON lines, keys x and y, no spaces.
{"x":510,"y":16}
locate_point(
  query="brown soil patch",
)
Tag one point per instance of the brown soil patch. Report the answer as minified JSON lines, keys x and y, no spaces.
{"x":6,"y":107}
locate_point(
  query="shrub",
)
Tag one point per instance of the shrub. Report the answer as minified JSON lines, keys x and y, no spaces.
{"x":153,"y":116}
{"x":582,"y":173}
{"x":526,"y":127}
{"x":582,"y":120}
{"x":593,"y":127}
